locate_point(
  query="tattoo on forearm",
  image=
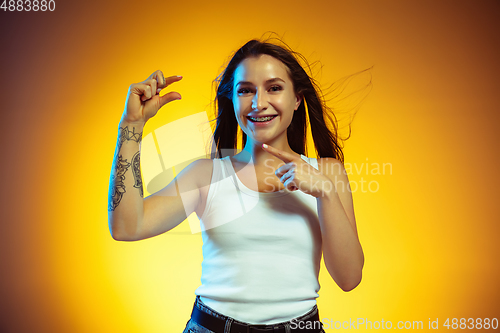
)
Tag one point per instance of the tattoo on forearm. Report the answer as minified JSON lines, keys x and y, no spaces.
{"x":136,"y":171}
{"x":120,"y":167}
{"x":125,"y":134}
{"x":117,"y":188}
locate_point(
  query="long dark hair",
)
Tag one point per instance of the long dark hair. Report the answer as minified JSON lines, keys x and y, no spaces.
{"x":323,"y":122}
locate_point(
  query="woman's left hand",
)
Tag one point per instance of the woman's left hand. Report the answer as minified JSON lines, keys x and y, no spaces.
{"x":297,"y":174}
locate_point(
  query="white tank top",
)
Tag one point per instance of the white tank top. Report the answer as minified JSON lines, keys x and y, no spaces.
{"x":261,"y":251}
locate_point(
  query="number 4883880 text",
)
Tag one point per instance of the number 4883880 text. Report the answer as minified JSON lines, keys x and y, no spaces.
{"x":28,"y":5}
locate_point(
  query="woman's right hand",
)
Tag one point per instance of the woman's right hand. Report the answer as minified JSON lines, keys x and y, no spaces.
{"x":144,"y":101}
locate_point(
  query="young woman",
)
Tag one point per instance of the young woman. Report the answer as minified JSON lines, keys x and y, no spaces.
{"x":268,"y":213}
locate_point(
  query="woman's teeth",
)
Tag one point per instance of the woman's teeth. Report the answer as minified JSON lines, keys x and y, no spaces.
{"x":261,"y":119}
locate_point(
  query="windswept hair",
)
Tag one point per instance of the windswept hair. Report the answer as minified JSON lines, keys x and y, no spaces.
{"x":324,"y":128}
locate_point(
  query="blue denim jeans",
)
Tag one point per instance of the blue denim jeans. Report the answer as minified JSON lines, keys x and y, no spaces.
{"x":194,"y":327}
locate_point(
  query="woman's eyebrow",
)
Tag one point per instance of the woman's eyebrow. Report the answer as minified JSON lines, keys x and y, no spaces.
{"x":275,"y":79}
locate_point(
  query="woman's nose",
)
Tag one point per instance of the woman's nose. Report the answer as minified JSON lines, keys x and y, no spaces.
{"x":259,"y":101}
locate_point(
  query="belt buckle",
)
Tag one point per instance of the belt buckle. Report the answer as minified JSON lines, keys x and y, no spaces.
{"x":253,"y":329}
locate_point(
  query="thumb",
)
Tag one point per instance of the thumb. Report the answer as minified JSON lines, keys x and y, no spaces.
{"x":169,"y":97}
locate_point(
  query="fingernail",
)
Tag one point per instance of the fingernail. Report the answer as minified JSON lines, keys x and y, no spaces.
{"x":264,"y":145}
{"x":158,"y":90}
{"x":179,"y":97}
{"x":179,"y":76}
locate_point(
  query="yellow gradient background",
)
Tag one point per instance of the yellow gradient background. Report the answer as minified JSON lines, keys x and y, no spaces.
{"x":429,"y":233}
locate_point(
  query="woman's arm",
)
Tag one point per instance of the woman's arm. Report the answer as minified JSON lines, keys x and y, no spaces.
{"x":130,"y":216}
{"x":125,"y":198}
{"x":342,"y":250}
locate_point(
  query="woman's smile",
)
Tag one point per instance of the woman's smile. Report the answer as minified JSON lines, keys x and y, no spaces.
{"x":261,"y":120}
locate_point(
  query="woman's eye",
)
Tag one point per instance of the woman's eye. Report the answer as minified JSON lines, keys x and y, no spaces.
{"x":275,"y":88}
{"x":243,"y":91}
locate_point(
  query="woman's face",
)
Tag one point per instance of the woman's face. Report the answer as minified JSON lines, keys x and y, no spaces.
{"x":263,"y":98}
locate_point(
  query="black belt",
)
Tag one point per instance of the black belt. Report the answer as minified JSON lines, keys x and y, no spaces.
{"x":216,"y":324}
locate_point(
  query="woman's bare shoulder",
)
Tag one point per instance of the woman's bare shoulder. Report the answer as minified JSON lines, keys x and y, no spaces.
{"x":200,"y":170}
{"x":330,"y":166}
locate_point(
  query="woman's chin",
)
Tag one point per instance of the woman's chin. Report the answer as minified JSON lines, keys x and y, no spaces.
{"x":260,"y":138}
{"x":258,"y":141}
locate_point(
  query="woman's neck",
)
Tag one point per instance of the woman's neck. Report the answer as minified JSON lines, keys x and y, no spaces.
{"x":253,"y":151}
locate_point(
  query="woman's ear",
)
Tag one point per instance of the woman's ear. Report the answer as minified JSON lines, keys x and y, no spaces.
{"x":298,"y":100}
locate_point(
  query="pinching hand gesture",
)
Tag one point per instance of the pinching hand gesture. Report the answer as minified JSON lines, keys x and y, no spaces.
{"x":144,"y":100}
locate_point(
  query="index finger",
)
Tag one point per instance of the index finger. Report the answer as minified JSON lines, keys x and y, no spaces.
{"x":163,"y":81}
{"x":282,"y":155}
{"x":169,"y":80}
